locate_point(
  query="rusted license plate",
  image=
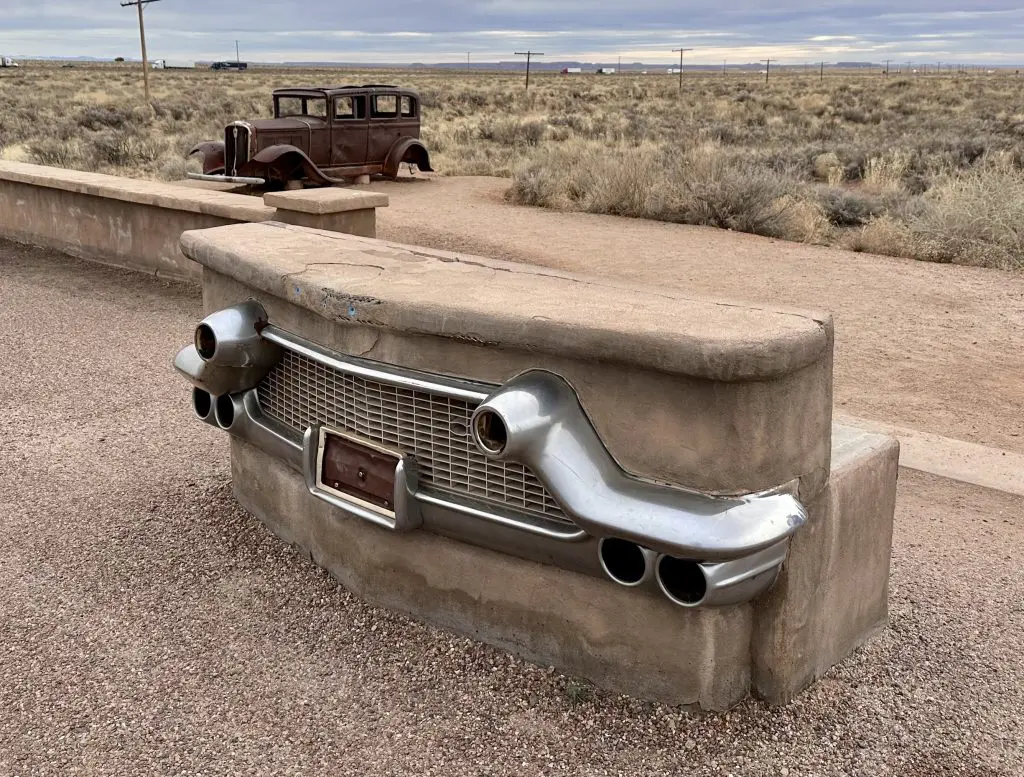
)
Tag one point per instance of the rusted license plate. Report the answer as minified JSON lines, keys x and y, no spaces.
{"x":355,"y":469}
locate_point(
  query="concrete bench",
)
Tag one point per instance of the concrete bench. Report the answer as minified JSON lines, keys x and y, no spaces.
{"x":551,"y":432}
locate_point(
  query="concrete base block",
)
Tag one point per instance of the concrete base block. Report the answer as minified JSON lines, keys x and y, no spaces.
{"x":830,"y":598}
{"x":352,"y":222}
{"x":833,"y":592}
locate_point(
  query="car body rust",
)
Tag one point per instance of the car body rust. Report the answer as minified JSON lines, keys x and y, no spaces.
{"x":322,"y":136}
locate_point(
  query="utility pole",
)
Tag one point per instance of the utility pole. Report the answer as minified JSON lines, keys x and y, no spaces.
{"x":887,"y":66}
{"x":681,"y":52}
{"x":142,"y":35}
{"x":822,"y":78}
{"x":767,"y":68}
{"x":529,"y":55}
{"x":238,"y":59}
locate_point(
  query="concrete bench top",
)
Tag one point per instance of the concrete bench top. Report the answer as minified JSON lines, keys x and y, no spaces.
{"x":326,"y":200}
{"x":237,"y":207}
{"x":413,"y":290}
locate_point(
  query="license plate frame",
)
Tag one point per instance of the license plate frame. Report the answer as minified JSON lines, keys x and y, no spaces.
{"x":357,"y":470}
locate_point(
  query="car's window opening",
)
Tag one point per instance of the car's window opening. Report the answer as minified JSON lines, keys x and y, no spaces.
{"x":385,"y":106}
{"x":349,"y":108}
{"x":408,"y":107}
{"x":301,"y":106}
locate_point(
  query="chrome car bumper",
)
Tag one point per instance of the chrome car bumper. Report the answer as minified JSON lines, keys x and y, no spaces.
{"x":240,"y":179}
{"x":569,"y":503}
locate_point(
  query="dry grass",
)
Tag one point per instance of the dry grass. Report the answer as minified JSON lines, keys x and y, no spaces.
{"x":924,"y":167}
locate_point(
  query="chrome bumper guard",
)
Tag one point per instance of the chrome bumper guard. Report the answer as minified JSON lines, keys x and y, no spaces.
{"x":696,"y":549}
{"x":239,"y":179}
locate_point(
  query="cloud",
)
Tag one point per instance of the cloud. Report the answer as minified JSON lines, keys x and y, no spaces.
{"x":491,"y":30}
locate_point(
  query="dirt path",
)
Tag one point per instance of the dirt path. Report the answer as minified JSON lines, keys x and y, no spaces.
{"x":933,"y":347}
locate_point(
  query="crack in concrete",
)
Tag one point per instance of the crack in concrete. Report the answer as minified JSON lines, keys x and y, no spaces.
{"x":306,"y":269}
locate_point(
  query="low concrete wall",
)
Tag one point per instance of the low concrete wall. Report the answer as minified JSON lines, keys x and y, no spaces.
{"x":137,"y":224}
{"x":715,"y":396}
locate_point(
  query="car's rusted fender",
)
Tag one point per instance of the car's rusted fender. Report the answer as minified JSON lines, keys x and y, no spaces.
{"x":212,"y":155}
{"x":407,"y":150}
{"x":285,"y":163}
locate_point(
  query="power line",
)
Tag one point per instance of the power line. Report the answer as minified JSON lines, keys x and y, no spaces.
{"x":529,"y":55}
{"x":142,"y":35}
{"x":680,"y":52}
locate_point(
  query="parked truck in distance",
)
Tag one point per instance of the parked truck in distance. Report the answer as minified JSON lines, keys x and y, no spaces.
{"x":8,"y":62}
{"x":172,"y":64}
{"x":229,"y":66}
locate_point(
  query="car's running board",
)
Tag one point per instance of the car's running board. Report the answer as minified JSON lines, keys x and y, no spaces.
{"x":227,"y":179}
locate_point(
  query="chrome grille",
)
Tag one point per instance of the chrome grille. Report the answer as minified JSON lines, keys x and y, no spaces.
{"x":236,"y":148}
{"x":433,"y":427}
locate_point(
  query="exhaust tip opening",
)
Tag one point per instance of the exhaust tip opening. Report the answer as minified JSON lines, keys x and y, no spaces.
{"x":206,"y":341}
{"x":682,"y":581}
{"x":224,"y":412}
{"x":202,"y":403}
{"x":490,"y":432}
{"x":623,"y":561}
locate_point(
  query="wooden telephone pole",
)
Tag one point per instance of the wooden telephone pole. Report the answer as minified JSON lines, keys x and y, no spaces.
{"x":142,"y":35}
{"x":680,"y":52}
{"x":767,"y":68}
{"x":529,"y":55}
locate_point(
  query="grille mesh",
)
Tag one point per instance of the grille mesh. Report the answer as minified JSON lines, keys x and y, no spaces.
{"x":434,"y":428}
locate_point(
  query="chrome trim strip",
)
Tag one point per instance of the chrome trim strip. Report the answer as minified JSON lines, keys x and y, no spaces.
{"x":227,"y":179}
{"x":470,"y":391}
{"x":547,"y":430}
{"x":523,"y":524}
{"x":267,"y":434}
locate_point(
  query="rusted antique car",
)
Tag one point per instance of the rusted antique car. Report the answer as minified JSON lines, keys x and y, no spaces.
{"x":321,"y":136}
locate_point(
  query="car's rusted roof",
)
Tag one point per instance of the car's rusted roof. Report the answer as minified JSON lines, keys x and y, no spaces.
{"x":329,"y":91}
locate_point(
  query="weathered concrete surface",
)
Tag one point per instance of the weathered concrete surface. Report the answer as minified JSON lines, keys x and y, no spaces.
{"x":137,"y":224}
{"x":331,"y":208}
{"x":701,"y":381}
{"x":231,"y":207}
{"x":831,"y":596}
{"x":632,"y":643}
{"x":214,"y":186}
{"x":833,"y":592}
{"x":362,"y":222}
{"x":118,"y":221}
{"x":328,"y":199}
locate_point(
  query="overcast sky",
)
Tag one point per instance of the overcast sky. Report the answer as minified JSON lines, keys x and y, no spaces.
{"x":491,"y":30}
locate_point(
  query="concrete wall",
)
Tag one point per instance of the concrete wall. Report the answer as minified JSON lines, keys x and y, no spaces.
{"x":716,"y":396}
{"x":137,"y":224}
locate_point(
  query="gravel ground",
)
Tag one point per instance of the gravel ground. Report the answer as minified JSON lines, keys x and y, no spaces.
{"x":149,"y":626}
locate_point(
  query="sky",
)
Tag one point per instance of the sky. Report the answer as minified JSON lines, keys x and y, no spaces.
{"x":407,"y":31}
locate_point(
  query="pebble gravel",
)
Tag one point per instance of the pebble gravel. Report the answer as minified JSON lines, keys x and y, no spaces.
{"x":149,"y":626}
